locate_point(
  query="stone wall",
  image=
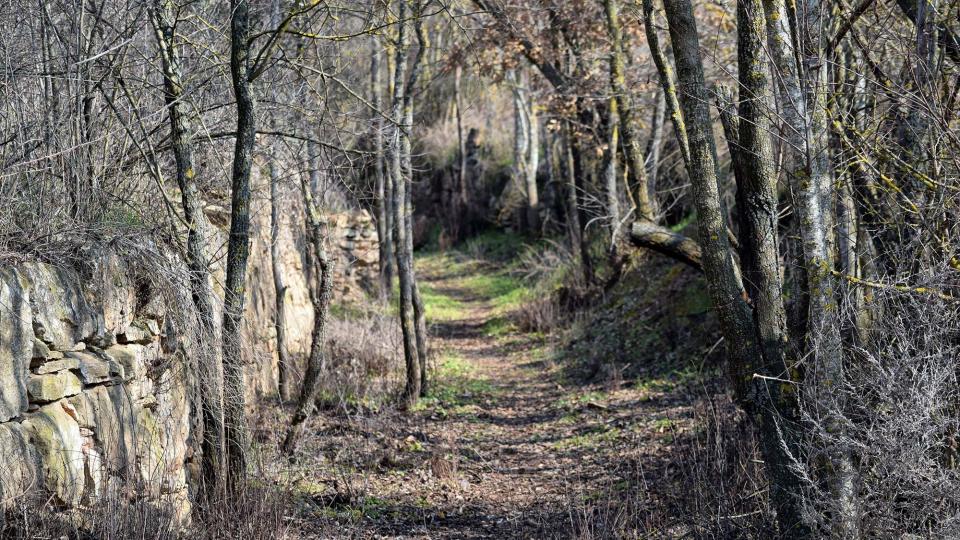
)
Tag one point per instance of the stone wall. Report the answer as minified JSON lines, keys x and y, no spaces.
{"x":353,"y":246}
{"x":94,"y":398}
{"x":91,"y":402}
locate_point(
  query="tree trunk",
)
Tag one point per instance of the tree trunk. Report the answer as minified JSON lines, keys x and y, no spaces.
{"x":610,"y":176}
{"x":665,"y":74}
{"x":655,"y":142}
{"x":573,"y":215}
{"x":238,"y":248}
{"x":419,"y":310}
{"x":460,"y":207}
{"x":520,"y":132}
{"x":812,"y":182}
{"x":579,"y":185}
{"x":718,"y":265}
{"x":210,"y":374}
{"x":280,"y":288}
{"x":284,"y":366}
{"x":755,"y":339}
{"x":773,"y":404}
{"x":384,"y":222}
{"x":411,"y":390}
{"x":321,"y":292}
{"x":533,"y":165}
{"x":636,"y":171}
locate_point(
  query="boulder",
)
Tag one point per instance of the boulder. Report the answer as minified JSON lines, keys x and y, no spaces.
{"x":54,"y":366}
{"x":62,"y":316}
{"x":59,"y":445}
{"x":94,"y":368}
{"x":54,"y":386}
{"x":108,"y":412}
{"x":21,"y":464}
{"x":16,"y":344}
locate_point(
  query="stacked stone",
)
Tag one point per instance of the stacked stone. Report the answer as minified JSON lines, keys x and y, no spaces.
{"x":81,"y":414}
{"x":356,"y":255}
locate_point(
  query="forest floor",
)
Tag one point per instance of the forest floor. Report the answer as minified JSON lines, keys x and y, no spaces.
{"x":506,"y":444}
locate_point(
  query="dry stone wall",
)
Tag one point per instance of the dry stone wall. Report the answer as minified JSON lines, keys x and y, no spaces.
{"x":354,"y":247}
{"x":91,"y":403}
{"x":94,"y":395}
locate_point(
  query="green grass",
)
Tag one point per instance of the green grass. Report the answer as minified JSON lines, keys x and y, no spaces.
{"x":440,"y":306}
{"x":456,"y":387}
{"x":594,"y":438}
{"x":490,"y":282}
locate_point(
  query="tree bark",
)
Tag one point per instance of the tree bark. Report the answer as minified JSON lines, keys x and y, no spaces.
{"x":579,"y":186}
{"x":520,"y":131}
{"x":772,"y":403}
{"x":718,"y":265}
{"x":238,"y":248}
{"x":462,"y":199}
{"x":574,"y":228}
{"x":649,"y":235}
{"x":815,"y":188}
{"x":610,"y":176}
{"x":665,"y":74}
{"x":533,"y":166}
{"x":655,"y":142}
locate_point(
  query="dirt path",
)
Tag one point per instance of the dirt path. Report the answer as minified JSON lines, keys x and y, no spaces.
{"x":501,"y":449}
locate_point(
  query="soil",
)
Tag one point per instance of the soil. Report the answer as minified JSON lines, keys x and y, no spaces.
{"x":509,"y":448}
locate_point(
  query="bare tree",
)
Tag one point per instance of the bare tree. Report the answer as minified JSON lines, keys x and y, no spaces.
{"x":163,"y":18}
{"x":321,"y":292}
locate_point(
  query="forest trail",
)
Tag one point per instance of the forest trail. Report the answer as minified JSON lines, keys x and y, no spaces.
{"x":504,"y":446}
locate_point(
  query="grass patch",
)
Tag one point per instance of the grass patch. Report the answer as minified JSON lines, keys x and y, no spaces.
{"x":440,"y":306}
{"x":593,"y":438}
{"x":673,"y":380}
{"x":456,"y":388}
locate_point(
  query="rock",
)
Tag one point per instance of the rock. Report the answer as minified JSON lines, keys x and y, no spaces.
{"x":153,"y":326}
{"x":94,"y":369}
{"x":150,"y":450}
{"x":172,"y":416}
{"x":339,"y":220}
{"x":114,"y":292}
{"x":54,"y":366}
{"x":367,"y":258}
{"x":109,"y":413}
{"x":134,"y":359}
{"x":40,"y":349}
{"x":62,"y":316}
{"x":16,"y":344}
{"x":59,"y":445}
{"x":45,"y":388}
{"x":21,"y":464}
{"x":137,"y":332}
